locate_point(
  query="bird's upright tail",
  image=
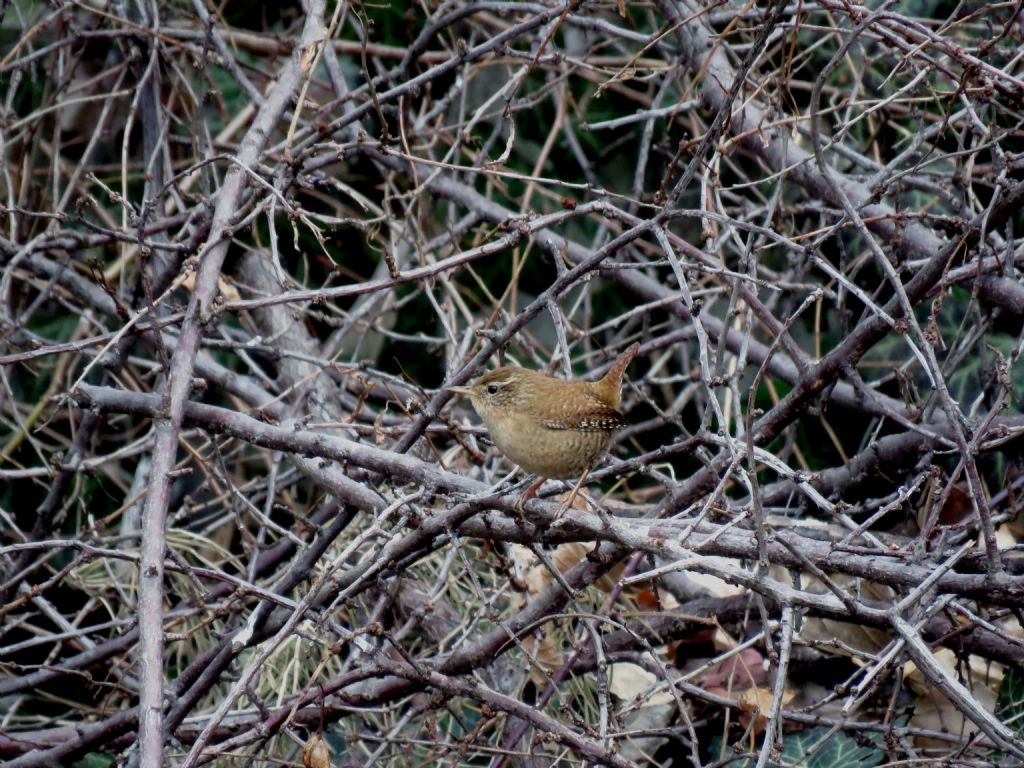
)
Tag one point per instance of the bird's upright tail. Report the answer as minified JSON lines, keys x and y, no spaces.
{"x":611,"y":382}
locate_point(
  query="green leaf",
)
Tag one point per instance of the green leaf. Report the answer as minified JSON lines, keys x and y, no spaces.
{"x":94,"y":760}
{"x":837,"y":751}
{"x":1010,"y":703}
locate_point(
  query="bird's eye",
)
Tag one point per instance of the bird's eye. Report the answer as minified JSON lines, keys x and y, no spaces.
{"x":492,"y":389}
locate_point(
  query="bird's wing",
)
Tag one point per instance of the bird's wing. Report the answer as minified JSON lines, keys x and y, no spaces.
{"x":594,"y":419}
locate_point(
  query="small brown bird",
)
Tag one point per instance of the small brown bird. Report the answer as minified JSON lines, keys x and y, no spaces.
{"x":551,"y":427}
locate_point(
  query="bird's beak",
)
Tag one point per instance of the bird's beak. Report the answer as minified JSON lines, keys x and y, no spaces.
{"x":467,"y":391}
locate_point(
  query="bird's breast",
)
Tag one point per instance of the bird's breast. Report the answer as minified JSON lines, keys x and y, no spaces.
{"x":554,"y":453}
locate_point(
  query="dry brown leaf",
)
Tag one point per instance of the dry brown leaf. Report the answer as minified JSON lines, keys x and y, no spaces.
{"x":842,"y":636}
{"x":740,"y":671}
{"x":629,"y":680}
{"x":539,"y":644}
{"x":655,"y":719}
{"x":538,"y":577}
{"x":647,"y":599}
{"x":227,"y":290}
{"x":722,"y":640}
{"x":984,"y":675}
{"x":713,"y":585}
{"x":755,"y":703}
{"x":651,"y":713}
{"x":935,"y":712}
{"x":316,"y":754}
{"x":567,"y":555}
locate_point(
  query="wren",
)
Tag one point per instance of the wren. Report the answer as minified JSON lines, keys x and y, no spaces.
{"x":551,"y":427}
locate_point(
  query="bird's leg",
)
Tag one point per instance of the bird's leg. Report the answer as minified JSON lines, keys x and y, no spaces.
{"x":525,"y":496}
{"x":575,"y":491}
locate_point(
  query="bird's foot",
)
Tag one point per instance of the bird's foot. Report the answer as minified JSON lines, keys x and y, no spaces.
{"x":519,"y":505}
{"x":570,"y":500}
